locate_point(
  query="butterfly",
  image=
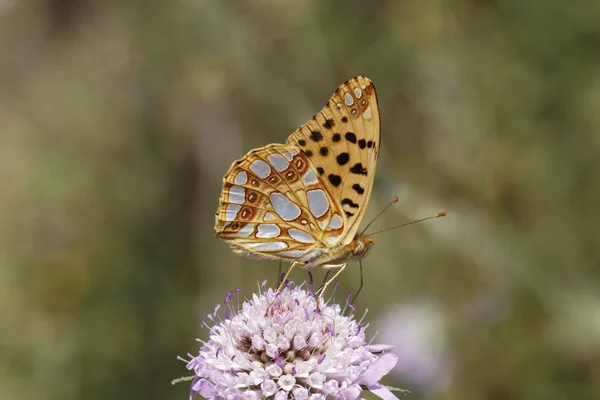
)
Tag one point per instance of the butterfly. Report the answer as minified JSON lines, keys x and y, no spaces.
{"x":303,"y":201}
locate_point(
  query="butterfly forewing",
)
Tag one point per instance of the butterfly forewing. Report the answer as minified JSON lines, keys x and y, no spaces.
{"x":295,"y":201}
{"x":342,"y":141}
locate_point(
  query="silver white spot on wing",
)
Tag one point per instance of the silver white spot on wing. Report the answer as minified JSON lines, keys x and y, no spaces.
{"x":293,"y":253}
{"x":336,"y":222}
{"x":231,"y":212}
{"x":241,"y":178}
{"x":269,"y":246}
{"x":260,"y":168}
{"x":300,"y":236}
{"x":309,"y":178}
{"x":317,"y":202}
{"x":290,"y":154}
{"x":268,"y":217}
{"x":357,"y":93}
{"x":287,"y":210}
{"x":363,"y":86}
{"x":268,"y":231}
{"x":322,"y":224}
{"x":348,"y":99}
{"x":332,"y":240}
{"x":237,"y":194}
{"x":367,"y":113}
{"x":332,"y":266}
{"x":246,"y":230}
{"x":278,"y":161}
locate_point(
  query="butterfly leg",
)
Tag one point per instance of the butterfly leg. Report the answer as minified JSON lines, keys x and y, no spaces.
{"x":320,"y":297}
{"x":324,"y":280}
{"x":282,"y":284}
{"x":279,"y":273}
{"x":287,"y":275}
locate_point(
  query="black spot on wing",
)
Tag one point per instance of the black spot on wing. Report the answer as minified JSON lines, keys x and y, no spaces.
{"x":351,"y":137}
{"x":308,"y":153}
{"x":336,"y":137}
{"x":349,"y":202}
{"x":302,"y":142}
{"x":335,"y":180}
{"x":329,"y":123}
{"x":362,"y":143}
{"x":343,"y":158}
{"x":323,"y":151}
{"x":344,"y":119}
{"x":358,"y":188}
{"x":370,"y":144}
{"x":316,"y":136}
{"x":320,"y":170}
{"x":348,"y":214}
{"x":358,"y":169}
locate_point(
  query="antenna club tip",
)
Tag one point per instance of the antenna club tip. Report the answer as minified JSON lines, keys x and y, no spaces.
{"x":395,"y":199}
{"x":441,"y":214}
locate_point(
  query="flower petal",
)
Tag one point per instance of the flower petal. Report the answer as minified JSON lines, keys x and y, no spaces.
{"x":204,"y":388}
{"x":269,"y":387}
{"x":378,"y":348}
{"x":350,"y":393}
{"x":381,"y":392}
{"x":286,"y":382}
{"x":379,"y":368}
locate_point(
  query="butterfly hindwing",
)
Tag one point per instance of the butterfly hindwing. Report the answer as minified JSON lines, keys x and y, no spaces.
{"x":274,"y":205}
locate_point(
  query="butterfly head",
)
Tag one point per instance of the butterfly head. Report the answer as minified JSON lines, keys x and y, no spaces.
{"x":360,"y":246}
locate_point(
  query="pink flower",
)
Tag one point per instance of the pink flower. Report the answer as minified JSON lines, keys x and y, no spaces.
{"x":291,"y":351}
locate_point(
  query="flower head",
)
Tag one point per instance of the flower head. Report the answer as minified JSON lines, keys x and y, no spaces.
{"x":288,"y":349}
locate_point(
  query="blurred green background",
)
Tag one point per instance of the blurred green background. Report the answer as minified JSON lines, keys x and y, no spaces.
{"x":118,"y":120}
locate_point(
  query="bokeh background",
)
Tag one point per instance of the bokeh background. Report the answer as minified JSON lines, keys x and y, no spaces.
{"x":118,"y":120}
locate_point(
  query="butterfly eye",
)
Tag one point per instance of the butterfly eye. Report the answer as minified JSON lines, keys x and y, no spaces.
{"x":254,"y":183}
{"x":299,"y":164}
{"x":235,"y":226}
{"x":363,"y":103}
{"x":353,"y":112}
{"x":273,"y":180}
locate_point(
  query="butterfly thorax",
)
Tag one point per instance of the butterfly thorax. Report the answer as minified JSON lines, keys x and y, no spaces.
{"x":342,"y":253}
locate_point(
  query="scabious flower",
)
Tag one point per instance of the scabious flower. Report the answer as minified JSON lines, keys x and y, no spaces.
{"x":281,"y":346}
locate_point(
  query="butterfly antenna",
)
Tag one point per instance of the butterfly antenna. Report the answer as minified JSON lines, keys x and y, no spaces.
{"x":438,"y":215}
{"x":394,"y":200}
